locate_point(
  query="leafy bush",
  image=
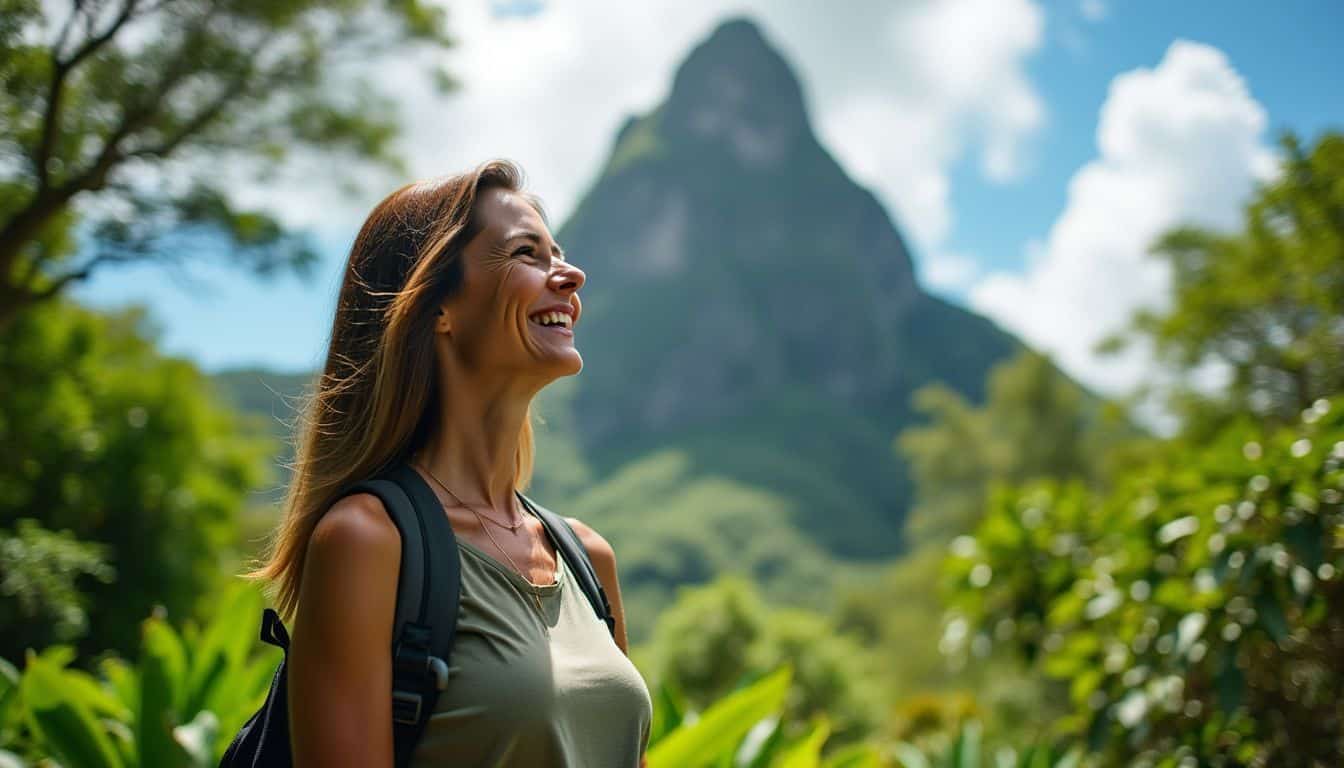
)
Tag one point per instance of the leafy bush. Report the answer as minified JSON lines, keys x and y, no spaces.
{"x":1196,"y":612}
{"x":123,"y":447}
{"x":39,"y":575}
{"x":718,"y":635}
{"x":190,"y":691}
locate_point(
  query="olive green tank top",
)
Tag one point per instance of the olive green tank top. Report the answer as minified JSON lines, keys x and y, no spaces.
{"x":520,"y":697}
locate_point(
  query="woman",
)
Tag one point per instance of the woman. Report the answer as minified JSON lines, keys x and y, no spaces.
{"x":456,"y":308}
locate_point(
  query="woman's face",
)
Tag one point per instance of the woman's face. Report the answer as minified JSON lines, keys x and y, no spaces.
{"x":516,"y":286}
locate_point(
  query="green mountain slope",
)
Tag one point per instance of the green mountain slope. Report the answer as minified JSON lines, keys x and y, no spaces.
{"x":751,"y":306}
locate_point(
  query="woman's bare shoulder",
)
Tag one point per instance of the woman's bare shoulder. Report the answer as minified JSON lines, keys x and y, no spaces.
{"x":356,"y":525}
{"x":598,"y":547}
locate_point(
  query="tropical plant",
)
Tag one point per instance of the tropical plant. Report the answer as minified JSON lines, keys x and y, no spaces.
{"x":1261,"y":304}
{"x":1196,"y":612}
{"x":175,"y":708}
{"x":745,"y":729}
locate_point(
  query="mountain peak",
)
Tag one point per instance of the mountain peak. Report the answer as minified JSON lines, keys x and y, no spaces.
{"x":735,"y":90}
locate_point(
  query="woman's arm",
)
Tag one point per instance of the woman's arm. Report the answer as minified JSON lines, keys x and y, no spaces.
{"x":604,"y":562}
{"x":340,"y":662}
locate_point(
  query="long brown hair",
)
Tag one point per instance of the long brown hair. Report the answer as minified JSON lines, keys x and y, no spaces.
{"x":376,"y":402}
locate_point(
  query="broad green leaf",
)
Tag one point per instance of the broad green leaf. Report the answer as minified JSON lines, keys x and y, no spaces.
{"x":123,"y":680}
{"x":668,"y":710}
{"x":223,"y":645}
{"x":62,"y":725}
{"x":806,"y":753}
{"x":58,"y":656}
{"x":100,"y":699}
{"x":162,"y":671}
{"x":723,"y":725}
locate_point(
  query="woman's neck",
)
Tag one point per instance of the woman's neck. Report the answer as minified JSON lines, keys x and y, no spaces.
{"x":474,"y":450}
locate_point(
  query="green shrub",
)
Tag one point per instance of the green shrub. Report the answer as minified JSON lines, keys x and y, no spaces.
{"x":178,"y":706}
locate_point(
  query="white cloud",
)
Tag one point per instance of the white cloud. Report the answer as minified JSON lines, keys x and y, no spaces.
{"x":899,"y":92}
{"x":1180,"y":143}
{"x":947,"y":271}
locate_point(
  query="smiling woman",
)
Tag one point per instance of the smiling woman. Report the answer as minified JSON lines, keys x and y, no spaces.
{"x":456,"y":309}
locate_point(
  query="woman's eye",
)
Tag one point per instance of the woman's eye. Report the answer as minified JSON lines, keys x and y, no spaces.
{"x":522,"y":252}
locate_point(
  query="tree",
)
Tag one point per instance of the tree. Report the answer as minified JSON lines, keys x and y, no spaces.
{"x":1197,"y":611}
{"x":1035,"y":423}
{"x":122,"y":447}
{"x":1193,"y":605}
{"x":117,"y":116}
{"x":716,"y":636}
{"x":1265,"y":303}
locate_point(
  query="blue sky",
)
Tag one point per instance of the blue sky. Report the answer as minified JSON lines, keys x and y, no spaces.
{"x":1287,"y":52}
{"x":1046,"y":81}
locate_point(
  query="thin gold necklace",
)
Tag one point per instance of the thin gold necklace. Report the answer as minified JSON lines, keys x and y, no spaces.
{"x":540,"y":610}
{"x":512,"y":528}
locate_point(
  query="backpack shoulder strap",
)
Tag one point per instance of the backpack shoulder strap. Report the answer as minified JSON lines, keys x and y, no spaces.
{"x":570,"y":547}
{"x":428,"y":587}
{"x":411,"y":576}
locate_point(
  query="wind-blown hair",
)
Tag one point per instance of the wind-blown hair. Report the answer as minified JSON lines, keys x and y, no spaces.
{"x":377,"y":400}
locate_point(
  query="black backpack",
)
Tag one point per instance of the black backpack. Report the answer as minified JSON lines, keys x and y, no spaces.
{"x":426,"y":618}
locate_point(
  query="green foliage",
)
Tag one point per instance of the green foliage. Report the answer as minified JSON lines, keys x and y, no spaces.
{"x":965,"y":749}
{"x":1264,"y":302}
{"x":39,"y":575}
{"x":674,"y":523}
{"x":720,"y":634}
{"x":189,"y":687}
{"x":124,"y":448}
{"x":1195,"y":610}
{"x":745,"y":728}
{"x":131,"y":108}
{"x":1035,"y":423}
{"x":721,"y":728}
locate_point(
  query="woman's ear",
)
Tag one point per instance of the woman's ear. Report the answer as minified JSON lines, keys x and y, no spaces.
{"x":443,"y":325}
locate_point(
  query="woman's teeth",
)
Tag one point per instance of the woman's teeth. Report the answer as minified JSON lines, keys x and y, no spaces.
{"x":552,"y":318}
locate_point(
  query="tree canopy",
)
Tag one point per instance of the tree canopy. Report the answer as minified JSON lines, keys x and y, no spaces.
{"x":1264,"y":304}
{"x":117,"y":116}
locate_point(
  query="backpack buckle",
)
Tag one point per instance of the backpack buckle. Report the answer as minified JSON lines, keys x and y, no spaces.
{"x":406,"y":707}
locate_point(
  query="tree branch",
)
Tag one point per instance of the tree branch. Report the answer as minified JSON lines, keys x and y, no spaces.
{"x":56,"y":89}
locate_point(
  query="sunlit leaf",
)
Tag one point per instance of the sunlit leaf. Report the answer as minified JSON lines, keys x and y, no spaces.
{"x":63,"y":725}
{"x":162,"y":676}
{"x":723,"y":725}
{"x":807,"y":752}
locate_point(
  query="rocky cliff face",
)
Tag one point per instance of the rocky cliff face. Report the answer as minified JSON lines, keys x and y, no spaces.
{"x":748,"y":301}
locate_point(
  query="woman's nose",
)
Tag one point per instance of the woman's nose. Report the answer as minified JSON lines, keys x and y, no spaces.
{"x":567,"y":277}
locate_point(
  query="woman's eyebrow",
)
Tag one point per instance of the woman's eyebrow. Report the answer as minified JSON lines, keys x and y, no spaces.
{"x":534,"y":237}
